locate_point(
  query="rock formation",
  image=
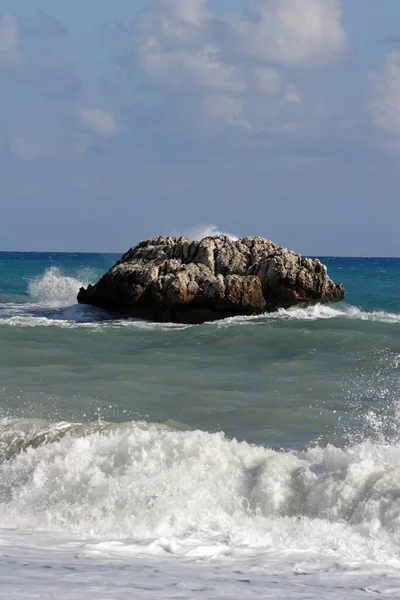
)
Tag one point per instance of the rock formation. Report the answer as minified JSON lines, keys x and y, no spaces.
{"x":184,"y":281}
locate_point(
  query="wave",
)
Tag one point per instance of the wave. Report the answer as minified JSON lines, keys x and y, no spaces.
{"x":86,"y":319}
{"x":53,"y":303}
{"x":19,"y":434}
{"x":200,"y":232}
{"x":32,"y":315}
{"x":320,"y":311}
{"x":148,"y":482}
{"x":81,"y":316}
{"x":315,"y":313}
{"x":54,"y":289}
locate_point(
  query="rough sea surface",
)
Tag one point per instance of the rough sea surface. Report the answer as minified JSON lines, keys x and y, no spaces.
{"x":249,"y":458}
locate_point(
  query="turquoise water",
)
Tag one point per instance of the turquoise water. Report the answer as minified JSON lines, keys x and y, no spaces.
{"x":210,"y":461}
{"x":282,"y":380}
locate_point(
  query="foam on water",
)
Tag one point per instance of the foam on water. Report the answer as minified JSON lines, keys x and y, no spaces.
{"x":50,"y":565}
{"x":100,"y":510}
{"x":81,"y":316}
{"x":31,"y":315}
{"x":54,"y":289}
{"x":202,"y":491}
{"x":53,"y":303}
{"x":17,"y":435}
{"x":314,"y":313}
{"x":320,"y":311}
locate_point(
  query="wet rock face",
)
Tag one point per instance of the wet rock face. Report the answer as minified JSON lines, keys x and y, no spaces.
{"x":184,"y":281}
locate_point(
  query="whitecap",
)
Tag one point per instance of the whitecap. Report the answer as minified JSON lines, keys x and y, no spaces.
{"x":55,"y":289}
{"x":202,"y":491}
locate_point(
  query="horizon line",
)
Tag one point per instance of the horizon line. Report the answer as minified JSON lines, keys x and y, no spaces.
{"x":312,"y":255}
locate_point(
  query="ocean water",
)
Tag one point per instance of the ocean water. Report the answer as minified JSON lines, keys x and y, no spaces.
{"x":249,"y":458}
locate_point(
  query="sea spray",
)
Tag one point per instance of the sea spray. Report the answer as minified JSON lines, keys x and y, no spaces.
{"x":110,"y":509}
{"x":196,"y":487}
{"x":372,"y":394}
{"x":55,"y":289}
{"x":199,"y":232}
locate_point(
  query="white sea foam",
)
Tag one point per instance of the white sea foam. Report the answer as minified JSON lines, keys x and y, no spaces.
{"x":46,"y":564}
{"x":320,"y":311}
{"x":203,"y":491}
{"x":38,"y":321}
{"x":88,"y":317}
{"x":54,"y":289}
{"x":53,"y":302}
{"x":315,"y":313}
{"x":193,"y":515}
{"x":205,"y":230}
{"x":82,"y":316}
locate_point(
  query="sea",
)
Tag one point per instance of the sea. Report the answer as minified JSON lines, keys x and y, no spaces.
{"x":254,"y":457}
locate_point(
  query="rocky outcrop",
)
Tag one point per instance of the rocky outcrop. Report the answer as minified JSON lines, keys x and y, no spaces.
{"x":184,"y":281}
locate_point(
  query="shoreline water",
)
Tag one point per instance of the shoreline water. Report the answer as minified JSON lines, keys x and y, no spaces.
{"x":252,"y":457}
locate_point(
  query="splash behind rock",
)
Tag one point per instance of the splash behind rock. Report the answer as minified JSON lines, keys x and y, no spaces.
{"x":184,"y":281}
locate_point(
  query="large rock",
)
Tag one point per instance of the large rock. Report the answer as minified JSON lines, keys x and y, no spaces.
{"x":169,"y":279}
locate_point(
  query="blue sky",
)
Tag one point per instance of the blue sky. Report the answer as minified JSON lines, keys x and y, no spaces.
{"x":128,"y":119}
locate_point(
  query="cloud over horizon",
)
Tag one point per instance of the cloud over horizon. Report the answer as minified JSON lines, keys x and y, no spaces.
{"x":302,"y":33}
{"x":230,"y":66}
{"x":266,"y":116}
{"x":43,"y":26}
{"x":98,"y":121}
{"x":11,"y":54}
{"x":24,"y":58}
{"x":22,"y":148}
{"x":385,"y":92}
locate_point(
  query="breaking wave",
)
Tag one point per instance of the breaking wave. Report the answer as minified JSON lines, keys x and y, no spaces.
{"x":199,"y":232}
{"x":321,"y":311}
{"x":53,"y":303}
{"x":148,"y":482}
{"x":20,"y":315}
{"x":314,"y":313}
{"x":54,"y":289}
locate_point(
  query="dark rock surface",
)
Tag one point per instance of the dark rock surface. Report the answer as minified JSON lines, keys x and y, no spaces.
{"x":184,"y":281}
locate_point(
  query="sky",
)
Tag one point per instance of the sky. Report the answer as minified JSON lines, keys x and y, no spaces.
{"x":125,"y":120}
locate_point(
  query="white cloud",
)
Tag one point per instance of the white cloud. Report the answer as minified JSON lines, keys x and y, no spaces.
{"x":191,"y":12}
{"x":289,"y":127}
{"x":226,"y":108}
{"x":43,"y":26}
{"x":33,"y":63}
{"x":291,"y":94}
{"x":86,"y":146}
{"x":169,"y":42}
{"x":11,"y":54}
{"x":385,"y":103}
{"x":97,"y":120}
{"x":212,"y":72}
{"x":228,"y":67}
{"x":202,"y":67}
{"x":291,"y":32}
{"x":267,"y":80}
{"x":22,"y":148}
